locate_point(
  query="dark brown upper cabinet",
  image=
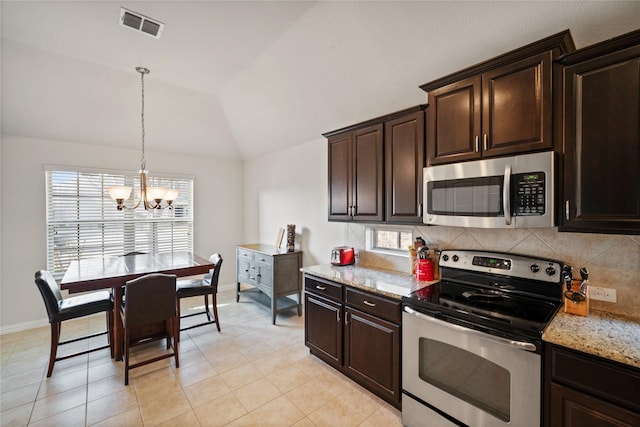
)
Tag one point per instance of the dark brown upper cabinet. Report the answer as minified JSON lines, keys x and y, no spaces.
{"x":377,"y":164}
{"x":404,"y":160}
{"x":601,"y":158}
{"x":356,"y":175}
{"x":498,"y":107}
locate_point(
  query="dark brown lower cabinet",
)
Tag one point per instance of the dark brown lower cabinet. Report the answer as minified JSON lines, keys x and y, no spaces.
{"x":324,"y":335}
{"x":357,"y":333}
{"x":584,"y":391}
{"x":570,"y":407}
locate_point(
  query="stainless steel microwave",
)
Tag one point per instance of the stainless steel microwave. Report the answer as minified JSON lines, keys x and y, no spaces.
{"x":504,"y":192}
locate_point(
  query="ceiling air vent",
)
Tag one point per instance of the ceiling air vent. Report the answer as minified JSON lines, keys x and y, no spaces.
{"x":141,"y":23}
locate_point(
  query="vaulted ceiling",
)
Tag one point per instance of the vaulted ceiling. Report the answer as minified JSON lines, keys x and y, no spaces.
{"x":242,"y":79}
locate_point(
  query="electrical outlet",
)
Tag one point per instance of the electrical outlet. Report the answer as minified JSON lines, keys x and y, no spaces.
{"x":602,"y":294}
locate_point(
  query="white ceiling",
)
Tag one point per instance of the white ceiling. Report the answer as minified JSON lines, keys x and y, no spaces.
{"x":242,"y":79}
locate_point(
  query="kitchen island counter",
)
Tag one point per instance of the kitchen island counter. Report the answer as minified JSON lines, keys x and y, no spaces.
{"x":392,"y":284}
{"x":610,"y":336}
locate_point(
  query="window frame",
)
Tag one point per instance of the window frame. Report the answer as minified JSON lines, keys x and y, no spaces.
{"x":100,"y":230}
{"x":371,"y":241}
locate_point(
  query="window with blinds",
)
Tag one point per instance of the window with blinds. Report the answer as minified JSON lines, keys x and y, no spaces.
{"x":83,"y":222}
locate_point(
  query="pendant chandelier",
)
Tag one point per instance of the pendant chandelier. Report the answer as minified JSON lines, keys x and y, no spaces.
{"x":150,"y":197}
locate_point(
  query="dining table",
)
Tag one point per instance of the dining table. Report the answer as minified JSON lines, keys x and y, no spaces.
{"x":113,"y":272}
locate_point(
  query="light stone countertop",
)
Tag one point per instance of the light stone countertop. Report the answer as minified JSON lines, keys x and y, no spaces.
{"x":603,"y":334}
{"x":392,"y":284}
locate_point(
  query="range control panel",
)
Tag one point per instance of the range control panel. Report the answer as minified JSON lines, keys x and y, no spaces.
{"x":502,"y":263}
{"x":529,"y":189}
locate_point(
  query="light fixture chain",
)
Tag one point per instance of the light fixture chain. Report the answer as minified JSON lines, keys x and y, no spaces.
{"x":142,"y":161}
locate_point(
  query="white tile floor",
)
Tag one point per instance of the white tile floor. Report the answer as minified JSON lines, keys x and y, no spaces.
{"x":250,"y":374}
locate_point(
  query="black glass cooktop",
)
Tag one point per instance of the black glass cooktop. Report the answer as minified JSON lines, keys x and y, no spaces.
{"x":493,"y":308}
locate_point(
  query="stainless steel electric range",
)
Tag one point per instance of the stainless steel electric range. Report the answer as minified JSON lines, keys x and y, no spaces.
{"x":472,"y":343}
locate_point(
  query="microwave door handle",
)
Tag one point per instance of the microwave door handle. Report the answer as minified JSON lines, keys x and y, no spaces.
{"x":519,"y":345}
{"x":506,"y":195}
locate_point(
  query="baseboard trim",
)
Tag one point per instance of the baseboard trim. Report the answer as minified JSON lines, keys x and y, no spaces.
{"x":19,"y":327}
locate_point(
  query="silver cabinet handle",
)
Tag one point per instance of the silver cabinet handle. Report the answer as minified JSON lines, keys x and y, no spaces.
{"x":566,"y":210}
{"x":346,"y":318}
{"x":370,"y":304}
{"x":477,"y":144}
{"x":506,"y":195}
{"x":338,"y":316}
{"x":485,"y":143}
{"x":520,"y":345}
{"x":321,"y":288}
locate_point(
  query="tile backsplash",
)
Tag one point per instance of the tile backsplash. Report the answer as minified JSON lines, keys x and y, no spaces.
{"x":613,"y":261}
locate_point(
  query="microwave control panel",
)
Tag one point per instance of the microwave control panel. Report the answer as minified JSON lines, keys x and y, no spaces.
{"x":529,"y":193}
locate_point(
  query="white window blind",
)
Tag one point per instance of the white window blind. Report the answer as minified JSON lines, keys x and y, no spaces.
{"x":83,"y":222}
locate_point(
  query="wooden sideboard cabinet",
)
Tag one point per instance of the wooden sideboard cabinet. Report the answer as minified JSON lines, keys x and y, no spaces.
{"x":274,"y":276}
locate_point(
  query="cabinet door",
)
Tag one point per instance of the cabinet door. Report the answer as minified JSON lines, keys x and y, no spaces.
{"x":602,"y":144}
{"x":368,"y":175}
{"x":340,"y":177}
{"x":517,"y":107}
{"x":404,"y":160}
{"x":323,"y":329}
{"x":454,"y":121}
{"x":571,"y":408}
{"x":372,"y":353}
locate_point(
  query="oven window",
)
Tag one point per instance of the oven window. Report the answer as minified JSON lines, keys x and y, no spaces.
{"x":466,"y":376}
{"x":466,"y":197}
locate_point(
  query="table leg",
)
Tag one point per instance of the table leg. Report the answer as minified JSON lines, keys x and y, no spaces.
{"x":118,"y":292}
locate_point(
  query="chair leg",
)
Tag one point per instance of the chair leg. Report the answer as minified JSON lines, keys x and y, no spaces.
{"x":206,"y":307}
{"x":126,"y":356}
{"x":215,"y":310}
{"x":178,"y":315}
{"x":175,"y":323}
{"x":110,"y":331}
{"x":55,"y":337}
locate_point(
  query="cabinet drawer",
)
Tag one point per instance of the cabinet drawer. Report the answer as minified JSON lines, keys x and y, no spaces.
{"x":374,"y":305}
{"x":245,"y":255}
{"x":263,"y":259}
{"x":323,"y":288}
{"x":588,"y":374}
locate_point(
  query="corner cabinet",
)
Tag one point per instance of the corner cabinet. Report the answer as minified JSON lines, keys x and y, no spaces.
{"x":498,"y":107}
{"x":375,"y":169}
{"x":583,"y":390}
{"x":357,"y":333}
{"x":601,"y":166}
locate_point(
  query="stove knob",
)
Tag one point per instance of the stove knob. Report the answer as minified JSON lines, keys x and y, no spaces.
{"x":534,"y":268}
{"x":445,"y":257}
{"x":455,"y":258}
{"x":550,"y":271}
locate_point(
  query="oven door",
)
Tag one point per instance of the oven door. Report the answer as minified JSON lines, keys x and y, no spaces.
{"x":473,"y":377}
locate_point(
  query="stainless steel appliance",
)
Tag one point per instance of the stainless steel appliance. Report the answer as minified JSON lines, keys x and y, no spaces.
{"x":505,"y":192}
{"x":472,"y":343}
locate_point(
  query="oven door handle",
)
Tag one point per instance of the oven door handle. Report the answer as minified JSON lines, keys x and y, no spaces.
{"x":520,"y":345}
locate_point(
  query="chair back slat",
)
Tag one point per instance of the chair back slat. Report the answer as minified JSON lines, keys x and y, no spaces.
{"x":50,"y":292}
{"x":151,"y":298}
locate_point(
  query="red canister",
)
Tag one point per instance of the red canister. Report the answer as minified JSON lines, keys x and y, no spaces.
{"x":424,"y":270}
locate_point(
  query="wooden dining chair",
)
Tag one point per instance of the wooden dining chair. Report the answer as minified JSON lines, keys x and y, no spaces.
{"x":59,"y":310}
{"x":202,"y":287}
{"x":151,"y":299}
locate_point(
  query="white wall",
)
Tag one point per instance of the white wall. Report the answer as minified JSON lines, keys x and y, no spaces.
{"x":217,"y":211}
{"x":290,"y":187}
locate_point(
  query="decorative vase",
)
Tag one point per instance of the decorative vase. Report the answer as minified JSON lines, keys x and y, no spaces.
{"x":291,"y":237}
